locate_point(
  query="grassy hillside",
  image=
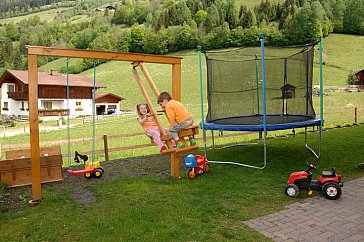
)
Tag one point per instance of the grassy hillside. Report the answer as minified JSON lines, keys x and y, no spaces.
{"x":47,"y":15}
{"x":342,"y":54}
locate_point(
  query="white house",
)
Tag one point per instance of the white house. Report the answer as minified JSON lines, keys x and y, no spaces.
{"x":52,"y":94}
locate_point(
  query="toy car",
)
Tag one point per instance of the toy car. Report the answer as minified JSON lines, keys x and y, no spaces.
{"x":196,"y":164}
{"x":91,"y":169}
{"x":329,"y":183}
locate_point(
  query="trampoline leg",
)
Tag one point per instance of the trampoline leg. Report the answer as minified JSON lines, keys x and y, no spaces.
{"x":246,"y":165}
{"x":213,"y":139}
{"x":318,"y":154}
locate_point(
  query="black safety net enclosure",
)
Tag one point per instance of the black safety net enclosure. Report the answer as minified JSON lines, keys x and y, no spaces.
{"x":235,"y":90}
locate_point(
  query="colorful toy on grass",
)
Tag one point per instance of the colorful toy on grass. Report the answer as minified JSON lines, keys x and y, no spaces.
{"x":196,"y":164}
{"x":91,"y":169}
{"x":329,"y":183}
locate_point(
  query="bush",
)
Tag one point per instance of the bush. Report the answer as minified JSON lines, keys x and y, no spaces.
{"x":10,"y":123}
{"x":351,"y":79}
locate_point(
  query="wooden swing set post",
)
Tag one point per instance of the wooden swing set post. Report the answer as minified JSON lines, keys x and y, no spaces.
{"x":34,"y":129}
{"x":35,"y":51}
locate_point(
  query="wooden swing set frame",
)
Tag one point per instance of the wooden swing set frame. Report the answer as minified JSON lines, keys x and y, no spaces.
{"x":137,"y":60}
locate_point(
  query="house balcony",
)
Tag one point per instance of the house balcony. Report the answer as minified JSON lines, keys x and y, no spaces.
{"x":18,"y":95}
{"x":53,"y":112}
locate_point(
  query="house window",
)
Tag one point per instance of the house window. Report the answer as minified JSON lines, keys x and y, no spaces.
{"x":11,"y":88}
{"x":22,"y":106}
{"x":47,"y":105}
{"x":79,"y":106}
{"x":6,"y":106}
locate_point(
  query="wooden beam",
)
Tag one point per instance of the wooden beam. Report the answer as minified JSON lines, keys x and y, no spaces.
{"x":103,"y":55}
{"x":34,"y":127}
{"x":151,"y":107}
{"x":149,"y":79}
{"x":176,"y":81}
{"x":175,"y":164}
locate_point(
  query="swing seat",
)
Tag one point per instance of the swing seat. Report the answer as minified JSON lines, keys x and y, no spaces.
{"x":188,"y":131}
{"x":81,"y":172}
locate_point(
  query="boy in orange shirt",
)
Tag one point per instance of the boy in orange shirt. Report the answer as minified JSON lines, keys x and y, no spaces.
{"x":178,"y":117}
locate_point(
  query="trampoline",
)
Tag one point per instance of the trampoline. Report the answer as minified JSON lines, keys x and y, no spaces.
{"x":260,"y":89}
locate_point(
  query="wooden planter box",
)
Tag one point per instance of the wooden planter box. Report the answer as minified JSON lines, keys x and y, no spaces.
{"x":16,"y":169}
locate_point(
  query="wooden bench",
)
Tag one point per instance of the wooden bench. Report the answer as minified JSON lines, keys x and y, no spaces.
{"x":16,"y":169}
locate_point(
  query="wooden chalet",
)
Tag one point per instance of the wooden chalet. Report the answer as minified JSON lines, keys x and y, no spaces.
{"x":52,"y":93}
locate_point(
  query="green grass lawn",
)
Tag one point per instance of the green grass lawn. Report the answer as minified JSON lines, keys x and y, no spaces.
{"x":47,"y":15}
{"x":210,"y":208}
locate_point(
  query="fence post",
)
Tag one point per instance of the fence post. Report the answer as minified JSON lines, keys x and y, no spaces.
{"x":356,"y":115}
{"x":106,"y":148}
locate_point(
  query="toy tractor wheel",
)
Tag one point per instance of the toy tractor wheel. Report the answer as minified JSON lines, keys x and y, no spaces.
{"x":331,"y":190}
{"x":206,"y":168}
{"x":191,"y":174}
{"x":292,"y":190}
{"x":87,"y":175}
{"x":98,"y":173}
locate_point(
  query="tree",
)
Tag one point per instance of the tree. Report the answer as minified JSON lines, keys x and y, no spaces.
{"x":338,"y":15}
{"x":123,"y":39}
{"x":12,"y":32}
{"x":161,"y":21}
{"x":156,"y":43}
{"x":231,"y":14}
{"x":307,"y":23}
{"x":212,"y":18}
{"x":354,"y":17}
{"x":172,"y":16}
{"x":105,"y":41}
{"x":137,"y":36}
{"x":200,"y":16}
{"x":218,"y":38}
{"x":248,"y":19}
{"x":183,"y":13}
{"x":186,"y":37}
{"x":123,"y":14}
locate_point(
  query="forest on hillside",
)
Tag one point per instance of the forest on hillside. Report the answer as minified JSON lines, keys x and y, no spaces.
{"x":160,"y":27}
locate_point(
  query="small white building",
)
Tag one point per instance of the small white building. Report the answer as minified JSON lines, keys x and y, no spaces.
{"x":107,"y":103}
{"x":52,"y":94}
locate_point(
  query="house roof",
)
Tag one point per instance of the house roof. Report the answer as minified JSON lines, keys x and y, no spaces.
{"x":288,"y":86}
{"x":358,"y":71}
{"x":105,"y":94}
{"x":44,"y":78}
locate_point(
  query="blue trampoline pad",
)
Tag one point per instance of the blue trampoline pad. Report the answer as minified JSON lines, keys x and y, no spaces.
{"x":232,"y":124}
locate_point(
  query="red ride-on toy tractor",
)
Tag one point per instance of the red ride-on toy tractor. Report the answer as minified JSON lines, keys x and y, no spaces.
{"x":329,"y":183}
{"x":196,"y":164}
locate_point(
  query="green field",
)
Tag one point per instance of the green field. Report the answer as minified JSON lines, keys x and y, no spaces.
{"x":47,"y":15}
